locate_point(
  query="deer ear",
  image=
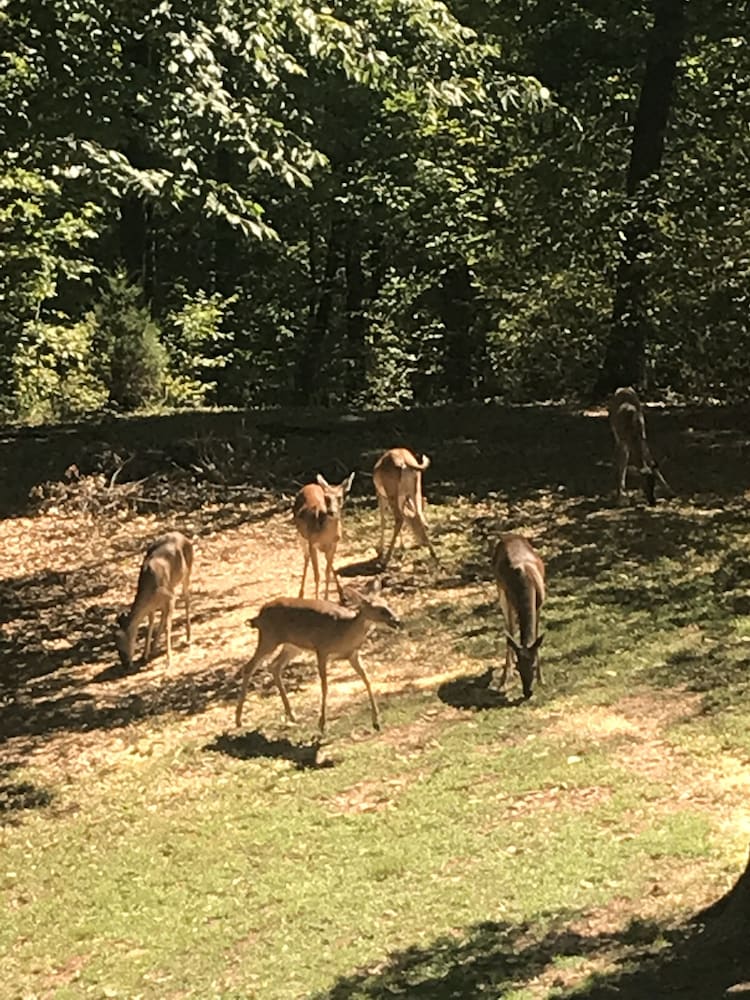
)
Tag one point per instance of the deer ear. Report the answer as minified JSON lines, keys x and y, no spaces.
{"x":513,"y":644}
{"x":353,"y":596}
{"x":347,"y":483}
{"x":322,"y":482}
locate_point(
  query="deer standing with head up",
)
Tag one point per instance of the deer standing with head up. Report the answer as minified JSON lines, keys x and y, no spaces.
{"x":317,"y":518}
{"x":519,"y":575}
{"x":631,"y":447}
{"x":398,"y":483}
{"x":167,"y":564}
{"x":329,"y":630}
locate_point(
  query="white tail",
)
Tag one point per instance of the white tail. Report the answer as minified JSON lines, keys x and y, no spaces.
{"x":167,"y":564}
{"x":317,"y":517}
{"x":631,"y":447}
{"x":398,"y":483}
{"x":329,"y":630}
{"x":519,"y":575}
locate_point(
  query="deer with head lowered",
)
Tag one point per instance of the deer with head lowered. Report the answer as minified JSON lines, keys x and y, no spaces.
{"x":327,"y":629}
{"x":631,"y":447}
{"x":167,"y":564}
{"x":398,"y":483}
{"x":519,"y":575}
{"x":317,"y":517}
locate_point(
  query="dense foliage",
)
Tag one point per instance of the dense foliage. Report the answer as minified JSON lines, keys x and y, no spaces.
{"x":373,"y":203}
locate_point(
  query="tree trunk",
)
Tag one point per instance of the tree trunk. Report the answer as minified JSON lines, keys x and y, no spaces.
{"x":625,"y":360}
{"x":356,"y":325}
{"x":731,"y":913}
{"x":458,"y":313}
{"x":135,"y":244}
{"x":321,"y":306}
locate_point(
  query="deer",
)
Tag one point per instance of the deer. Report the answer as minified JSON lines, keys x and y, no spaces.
{"x":398,"y":484}
{"x":168,"y":562}
{"x":327,"y":629}
{"x":317,"y":517}
{"x":519,"y":574}
{"x":629,"y":431}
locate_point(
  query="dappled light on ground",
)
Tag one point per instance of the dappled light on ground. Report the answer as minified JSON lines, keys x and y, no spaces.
{"x":639,"y":732}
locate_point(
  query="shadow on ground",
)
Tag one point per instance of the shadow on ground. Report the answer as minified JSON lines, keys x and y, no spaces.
{"x":546,"y":468}
{"x":475,"y":449}
{"x":17,"y":796}
{"x":648,"y":962}
{"x":474,"y":692}
{"x":254,"y":745}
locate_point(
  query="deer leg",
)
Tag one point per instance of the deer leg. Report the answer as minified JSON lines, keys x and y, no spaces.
{"x":166,"y":617}
{"x":361,"y":672}
{"x":331,"y":571}
{"x":322,"y":671}
{"x":329,"y":553}
{"x":508,"y":618}
{"x":398,"y":525}
{"x":248,"y":670}
{"x":149,"y":634}
{"x":276,"y":667}
{"x":304,"y":570}
{"x":186,"y":595}
{"x":382,"y":507}
{"x":662,"y":481}
{"x":316,"y":569}
{"x":539,"y":676}
{"x":622,"y":457}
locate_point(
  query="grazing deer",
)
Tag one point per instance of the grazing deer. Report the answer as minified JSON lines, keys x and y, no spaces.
{"x":629,"y":430}
{"x":398,"y":483}
{"x":519,"y":575}
{"x":168,"y":562}
{"x":317,"y":517}
{"x":329,"y":630}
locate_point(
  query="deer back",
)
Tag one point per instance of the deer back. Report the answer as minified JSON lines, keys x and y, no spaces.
{"x":312,"y":624}
{"x":165,"y":565}
{"x":629,"y":426}
{"x":398,"y":477}
{"x":519,"y":571}
{"x":321,"y":626}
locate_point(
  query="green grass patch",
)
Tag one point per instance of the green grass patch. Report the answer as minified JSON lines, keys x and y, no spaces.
{"x":447,"y":856}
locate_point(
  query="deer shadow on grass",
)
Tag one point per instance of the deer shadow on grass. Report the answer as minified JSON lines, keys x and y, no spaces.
{"x":473,"y":692}
{"x":254,"y":745}
{"x":18,"y":796}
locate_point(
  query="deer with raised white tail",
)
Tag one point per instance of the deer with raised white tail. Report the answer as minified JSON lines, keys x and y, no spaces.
{"x":167,"y":564}
{"x":519,"y":574}
{"x":631,"y":447}
{"x":398,"y":483}
{"x":329,"y":630}
{"x":317,"y":517}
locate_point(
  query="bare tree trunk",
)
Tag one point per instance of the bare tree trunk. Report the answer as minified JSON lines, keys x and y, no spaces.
{"x":625,"y":360}
{"x":310,"y":361}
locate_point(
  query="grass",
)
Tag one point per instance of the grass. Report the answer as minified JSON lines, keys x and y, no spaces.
{"x":469,"y":849}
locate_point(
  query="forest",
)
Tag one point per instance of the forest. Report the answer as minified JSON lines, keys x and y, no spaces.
{"x":372,"y":203}
{"x":250,"y":249}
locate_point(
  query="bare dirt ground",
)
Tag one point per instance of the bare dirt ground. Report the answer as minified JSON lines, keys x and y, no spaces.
{"x":66,"y":574}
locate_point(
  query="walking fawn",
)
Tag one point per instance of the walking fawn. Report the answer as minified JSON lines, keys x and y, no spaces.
{"x":519,"y":575}
{"x":631,"y":447}
{"x":329,"y":630}
{"x":398,"y":483}
{"x":167,"y":564}
{"x":317,"y":517}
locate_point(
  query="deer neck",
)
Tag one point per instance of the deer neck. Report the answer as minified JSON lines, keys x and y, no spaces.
{"x":527,"y":608}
